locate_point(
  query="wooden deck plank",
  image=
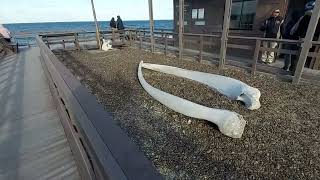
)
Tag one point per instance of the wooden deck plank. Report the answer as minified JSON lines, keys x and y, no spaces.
{"x":33,"y":144}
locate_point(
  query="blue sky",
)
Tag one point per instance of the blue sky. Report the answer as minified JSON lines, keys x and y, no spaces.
{"x":25,"y":11}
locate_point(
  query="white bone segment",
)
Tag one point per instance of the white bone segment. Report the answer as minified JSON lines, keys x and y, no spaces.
{"x":106,"y":46}
{"x":232,"y":88}
{"x":230,"y":123}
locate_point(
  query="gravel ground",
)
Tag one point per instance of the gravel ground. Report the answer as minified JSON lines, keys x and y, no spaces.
{"x":281,"y":140}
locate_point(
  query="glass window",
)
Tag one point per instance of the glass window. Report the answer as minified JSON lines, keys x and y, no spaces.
{"x":194,"y":13}
{"x":198,"y":13}
{"x":242,"y":14}
{"x":201,"y":13}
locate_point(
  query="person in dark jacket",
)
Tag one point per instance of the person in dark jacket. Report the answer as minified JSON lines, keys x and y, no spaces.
{"x":113,"y":24}
{"x":119,"y":23}
{"x":271,"y":27}
{"x":301,"y":27}
{"x":290,"y":60}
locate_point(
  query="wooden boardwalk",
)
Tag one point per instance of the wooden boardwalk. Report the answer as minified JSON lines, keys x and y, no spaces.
{"x":33,"y":144}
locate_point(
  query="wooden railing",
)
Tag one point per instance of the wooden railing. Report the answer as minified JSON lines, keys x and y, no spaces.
{"x":167,"y":42}
{"x":100,"y":147}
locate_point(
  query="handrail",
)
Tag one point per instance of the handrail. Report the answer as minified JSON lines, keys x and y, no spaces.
{"x":204,"y":35}
{"x":94,"y":130}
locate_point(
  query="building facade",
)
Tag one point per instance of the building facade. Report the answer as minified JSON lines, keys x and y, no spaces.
{"x":206,"y":16}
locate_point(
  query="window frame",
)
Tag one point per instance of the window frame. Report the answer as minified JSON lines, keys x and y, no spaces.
{"x":239,"y":28}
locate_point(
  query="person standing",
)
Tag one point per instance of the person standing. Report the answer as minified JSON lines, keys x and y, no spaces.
{"x":119,"y":23}
{"x":301,"y":27}
{"x":271,"y":27}
{"x":5,"y":33}
{"x":113,"y":24}
{"x":289,"y":60}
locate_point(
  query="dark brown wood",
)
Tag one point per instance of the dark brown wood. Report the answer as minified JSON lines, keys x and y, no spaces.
{"x":130,"y":37}
{"x":256,"y":57}
{"x":181,"y":24}
{"x":225,"y":31}
{"x":166,"y":44}
{"x":76,"y":41}
{"x":140,"y":39}
{"x":238,"y":46}
{"x":283,"y":51}
{"x":115,"y":158}
{"x":83,"y":164}
{"x":63,"y":44}
{"x":201,"y":49}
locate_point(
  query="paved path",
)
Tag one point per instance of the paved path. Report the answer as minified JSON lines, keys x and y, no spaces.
{"x":32,"y":140}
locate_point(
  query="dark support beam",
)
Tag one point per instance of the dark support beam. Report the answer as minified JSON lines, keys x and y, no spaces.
{"x":151,"y":25}
{"x":225,"y":30}
{"x":181,"y":24}
{"x":256,"y":57}
{"x":307,"y":44}
{"x":97,"y":26}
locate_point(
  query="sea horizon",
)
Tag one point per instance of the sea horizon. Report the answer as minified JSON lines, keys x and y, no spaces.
{"x":85,"y":21}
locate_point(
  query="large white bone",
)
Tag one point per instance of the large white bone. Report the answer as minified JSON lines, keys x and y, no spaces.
{"x":232,"y":88}
{"x":230,"y":123}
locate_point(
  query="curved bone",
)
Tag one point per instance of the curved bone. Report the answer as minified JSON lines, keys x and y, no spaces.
{"x":230,"y":123}
{"x":232,"y":88}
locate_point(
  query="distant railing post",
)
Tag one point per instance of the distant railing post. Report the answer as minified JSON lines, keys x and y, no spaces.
{"x":113,"y":35}
{"x":140,"y":38}
{"x":76,"y":41}
{"x":63,"y":44}
{"x":165,"y":44}
{"x":201,"y":48}
{"x":256,"y":57}
{"x":130,"y":37}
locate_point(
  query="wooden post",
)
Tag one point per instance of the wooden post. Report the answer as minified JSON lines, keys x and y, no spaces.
{"x":307,"y":44}
{"x":76,"y":41}
{"x":201,"y":48}
{"x":113,"y":35}
{"x":63,"y":44}
{"x":151,"y":25}
{"x":256,"y":57}
{"x":181,"y":24}
{"x":130,"y":37}
{"x":140,"y":38}
{"x":97,"y":26}
{"x":225,"y":30}
{"x":315,"y":60}
{"x":165,"y":44}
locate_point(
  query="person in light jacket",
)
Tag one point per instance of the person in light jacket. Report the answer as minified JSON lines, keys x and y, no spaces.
{"x":5,"y":33}
{"x":271,"y":27}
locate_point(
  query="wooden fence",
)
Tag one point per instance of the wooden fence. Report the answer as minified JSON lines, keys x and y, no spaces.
{"x":167,"y":42}
{"x":100,"y":147}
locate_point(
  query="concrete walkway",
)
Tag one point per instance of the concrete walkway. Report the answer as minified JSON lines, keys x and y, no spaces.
{"x":32,"y":140}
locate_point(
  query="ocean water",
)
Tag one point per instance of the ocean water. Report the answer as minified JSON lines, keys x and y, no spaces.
{"x":24,"y":33}
{"x":35,"y":28}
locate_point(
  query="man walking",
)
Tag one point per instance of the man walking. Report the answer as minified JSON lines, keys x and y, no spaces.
{"x":271,"y":27}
